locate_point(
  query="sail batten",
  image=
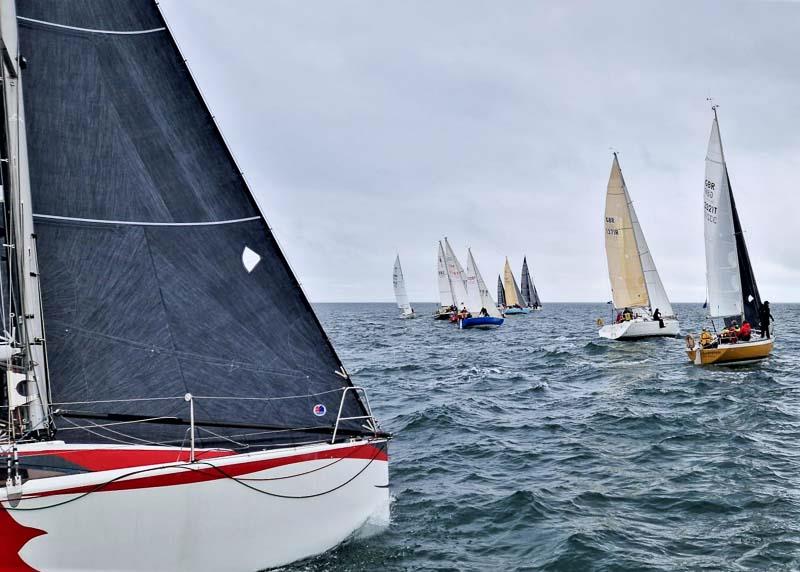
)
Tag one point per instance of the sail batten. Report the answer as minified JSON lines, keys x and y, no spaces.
{"x":156,"y":309}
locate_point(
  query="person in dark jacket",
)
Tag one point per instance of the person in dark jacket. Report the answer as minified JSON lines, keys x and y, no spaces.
{"x":657,"y":316}
{"x":764,"y":315}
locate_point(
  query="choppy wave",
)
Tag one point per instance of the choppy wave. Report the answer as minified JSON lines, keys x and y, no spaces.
{"x":539,"y":446}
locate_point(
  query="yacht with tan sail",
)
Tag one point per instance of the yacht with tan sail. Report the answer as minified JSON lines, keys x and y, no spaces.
{"x":641,"y":306}
{"x":514,"y":302}
{"x":733,"y":297}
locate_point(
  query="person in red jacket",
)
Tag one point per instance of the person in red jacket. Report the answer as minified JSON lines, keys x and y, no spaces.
{"x":744,"y":332}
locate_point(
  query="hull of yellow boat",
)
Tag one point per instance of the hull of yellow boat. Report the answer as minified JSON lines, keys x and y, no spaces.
{"x":741,"y":352}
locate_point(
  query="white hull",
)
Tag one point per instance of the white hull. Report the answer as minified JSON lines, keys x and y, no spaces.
{"x":639,"y":328}
{"x":195,"y":516}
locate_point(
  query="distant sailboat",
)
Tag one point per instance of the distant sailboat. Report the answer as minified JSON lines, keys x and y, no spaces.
{"x":636,"y":287}
{"x":480,"y":305}
{"x":457,"y":277}
{"x":501,"y":293}
{"x":514,"y":301}
{"x":400,"y":290}
{"x":447,"y":303}
{"x":732,"y":291}
{"x":530,"y":297}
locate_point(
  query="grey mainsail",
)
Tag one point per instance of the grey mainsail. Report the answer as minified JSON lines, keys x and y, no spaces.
{"x":160,"y":275}
{"x":501,"y":292}
{"x":530,"y":296}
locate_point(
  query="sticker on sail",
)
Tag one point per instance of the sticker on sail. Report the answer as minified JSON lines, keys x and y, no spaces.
{"x":320,"y":410}
{"x":250,"y":259}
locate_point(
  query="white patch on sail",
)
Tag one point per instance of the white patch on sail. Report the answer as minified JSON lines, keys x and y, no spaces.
{"x":250,"y":259}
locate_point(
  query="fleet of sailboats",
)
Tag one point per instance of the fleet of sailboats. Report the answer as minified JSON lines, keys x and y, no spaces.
{"x":733,"y":298}
{"x":640,"y":301}
{"x":186,"y":410}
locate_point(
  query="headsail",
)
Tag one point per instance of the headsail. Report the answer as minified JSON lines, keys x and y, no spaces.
{"x":160,"y":276}
{"x":400,"y":288}
{"x":722,"y":259}
{"x":501,"y":292}
{"x":529,"y":294}
{"x":479,"y":296}
{"x":513,"y":295}
{"x":458,"y":279}
{"x":445,"y":292}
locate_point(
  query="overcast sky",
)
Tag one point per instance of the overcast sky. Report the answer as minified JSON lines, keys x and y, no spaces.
{"x":369,"y":128}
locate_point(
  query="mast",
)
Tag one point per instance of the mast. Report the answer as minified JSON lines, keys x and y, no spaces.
{"x":26,"y":323}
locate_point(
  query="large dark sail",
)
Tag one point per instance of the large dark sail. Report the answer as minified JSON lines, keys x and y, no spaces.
{"x":160,"y":275}
{"x":529,"y":295}
{"x":501,"y":292}
{"x":751,"y":301}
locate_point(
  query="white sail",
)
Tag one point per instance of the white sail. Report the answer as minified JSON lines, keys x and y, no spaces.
{"x":479,"y":295}
{"x":400,"y":288}
{"x":513,"y":295}
{"x":629,"y":277}
{"x":445,"y":292}
{"x":722,"y":261}
{"x":458,"y":280}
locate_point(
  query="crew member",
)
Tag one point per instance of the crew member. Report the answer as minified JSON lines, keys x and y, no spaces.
{"x":657,"y":316}
{"x":764,"y":316}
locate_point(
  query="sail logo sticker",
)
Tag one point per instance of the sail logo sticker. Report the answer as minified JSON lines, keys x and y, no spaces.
{"x":320,"y":410}
{"x":250,"y":259}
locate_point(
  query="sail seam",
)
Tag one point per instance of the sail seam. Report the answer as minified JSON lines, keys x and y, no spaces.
{"x":144,"y":223}
{"x":91,"y":30}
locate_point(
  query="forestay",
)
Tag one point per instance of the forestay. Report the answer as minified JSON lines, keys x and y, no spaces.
{"x":722,"y":259}
{"x":160,"y":275}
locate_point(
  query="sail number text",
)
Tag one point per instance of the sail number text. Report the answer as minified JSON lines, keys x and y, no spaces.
{"x":611,"y":231}
{"x":711,"y":210}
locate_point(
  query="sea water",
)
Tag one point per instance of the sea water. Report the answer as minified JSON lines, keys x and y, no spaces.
{"x":539,"y":446}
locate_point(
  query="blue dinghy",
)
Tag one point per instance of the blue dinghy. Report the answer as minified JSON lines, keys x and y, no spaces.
{"x":483,"y":322}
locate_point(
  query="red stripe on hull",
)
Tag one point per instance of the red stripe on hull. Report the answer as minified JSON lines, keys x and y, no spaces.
{"x":110,"y":459}
{"x":198,"y":472}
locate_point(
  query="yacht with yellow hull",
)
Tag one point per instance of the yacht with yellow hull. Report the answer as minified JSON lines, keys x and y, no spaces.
{"x":733,"y":296}
{"x":726,"y":354}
